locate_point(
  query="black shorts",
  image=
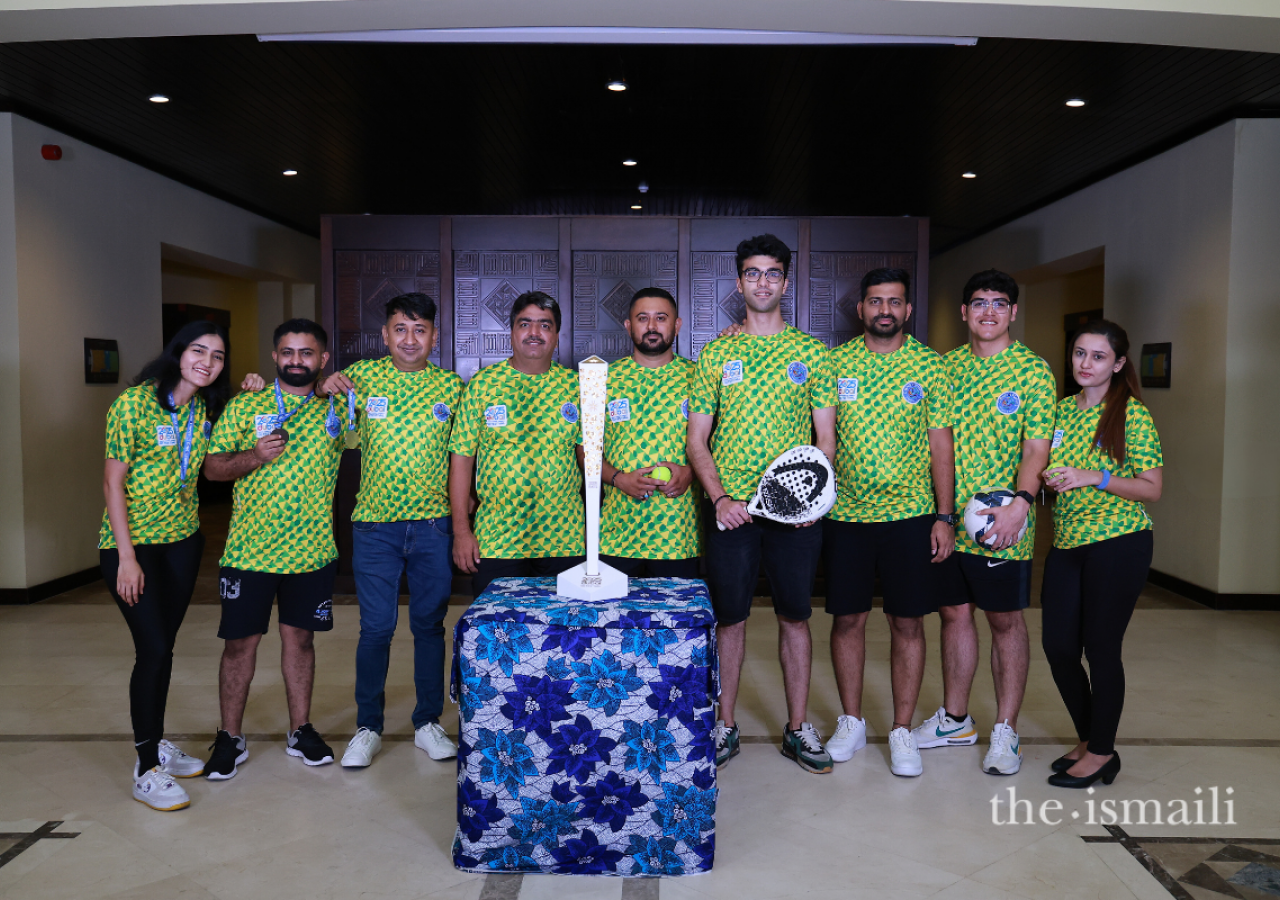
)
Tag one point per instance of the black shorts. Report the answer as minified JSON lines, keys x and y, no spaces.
{"x":306,"y":600}
{"x":969,"y":578}
{"x":491,"y":567}
{"x":899,"y":552}
{"x":790,"y":558}
{"x":635,"y":567}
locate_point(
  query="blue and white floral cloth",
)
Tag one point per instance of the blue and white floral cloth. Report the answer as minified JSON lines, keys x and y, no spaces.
{"x":586,"y":730}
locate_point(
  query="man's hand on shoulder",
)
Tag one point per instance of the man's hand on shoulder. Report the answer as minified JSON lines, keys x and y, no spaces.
{"x":253,"y":382}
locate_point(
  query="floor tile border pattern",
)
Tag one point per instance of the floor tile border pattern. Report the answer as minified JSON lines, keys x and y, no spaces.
{"x":27,"y":839}
{"x":1117,"y":835}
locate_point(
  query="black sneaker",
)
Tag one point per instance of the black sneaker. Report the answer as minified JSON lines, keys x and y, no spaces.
{"x":307,"y":743}
{"x":228,"y":752}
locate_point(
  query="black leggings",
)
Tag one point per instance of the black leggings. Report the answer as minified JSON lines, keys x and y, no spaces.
{"x":1088,"y":598}
{"x":169,"y":579}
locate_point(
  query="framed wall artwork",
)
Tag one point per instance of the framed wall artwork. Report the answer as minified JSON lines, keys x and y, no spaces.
{"x":1155,"y":365}
{"x":101,"y":361}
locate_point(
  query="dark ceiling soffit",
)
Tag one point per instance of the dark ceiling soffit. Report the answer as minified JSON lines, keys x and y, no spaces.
{"x":8,"y":104}
{"x":1128,"y":162}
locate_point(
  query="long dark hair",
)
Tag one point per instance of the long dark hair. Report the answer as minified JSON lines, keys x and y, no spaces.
{"x":165,"y":369}
{"x":1124,"y":384}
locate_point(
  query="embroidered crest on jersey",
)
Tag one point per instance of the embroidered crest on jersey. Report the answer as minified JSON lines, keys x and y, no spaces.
{"x":912,"y":392}
{"x":496,"y":416}
{"x":442,"y":412}
{"x":376,"y":407}
{"x":620,"y":410}
{"x":570,"y":413}
{"x":798,"y":372}
{"x":684,"y":408}
{"x":732,"y":373}
{"x":1057,"y":439}
{"x":1009,"y":403}
{"x":264,"y":425}
{"x":846,"y":389}
{"x":166,"y":436}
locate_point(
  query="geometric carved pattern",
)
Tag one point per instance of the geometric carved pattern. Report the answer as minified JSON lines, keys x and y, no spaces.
{"x":498,"y":303}
{"x":835,"y":289}
{"x":716,"y":301}
{"x":485,"y":284}
{"x":604,"y":282}
{"x":618,"y":300}
{"x":364,"y":281}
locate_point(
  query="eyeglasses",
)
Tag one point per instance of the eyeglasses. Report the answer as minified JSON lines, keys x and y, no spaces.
{"x":774,"y":275}
{"x":982,"y":305}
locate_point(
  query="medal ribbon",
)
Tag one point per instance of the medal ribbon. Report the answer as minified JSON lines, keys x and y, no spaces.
{"x":351,"y":410}
{"x":188,"y":441}
{"x":283,"y":416}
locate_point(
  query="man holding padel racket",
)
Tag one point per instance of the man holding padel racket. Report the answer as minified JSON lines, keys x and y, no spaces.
{"x":756,"y":395}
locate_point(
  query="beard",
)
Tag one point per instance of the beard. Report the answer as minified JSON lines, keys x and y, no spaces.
{"x":884,"y":330}
{"x":661,"y":346}
{"x":294,"y":378}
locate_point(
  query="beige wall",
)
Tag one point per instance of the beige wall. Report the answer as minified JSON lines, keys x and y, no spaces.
{"x":89,"y":230}
{"x":12,"y":536}
{"x":181,"y":283}
{"x":1166,"y":226}
{"x":1043,"y":305}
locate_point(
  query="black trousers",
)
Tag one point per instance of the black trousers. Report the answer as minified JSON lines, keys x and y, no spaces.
{"x":1088,"y":598}
{"x":169,"y":579}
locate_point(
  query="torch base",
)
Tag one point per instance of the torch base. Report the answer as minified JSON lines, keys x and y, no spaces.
{"x":607,"y":584}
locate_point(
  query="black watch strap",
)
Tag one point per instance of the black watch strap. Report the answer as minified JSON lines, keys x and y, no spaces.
{"x":1028,"y":496}
{"x":951,"y":519}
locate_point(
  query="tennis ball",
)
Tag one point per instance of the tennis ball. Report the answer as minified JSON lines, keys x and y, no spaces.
{"x":661,"y":473}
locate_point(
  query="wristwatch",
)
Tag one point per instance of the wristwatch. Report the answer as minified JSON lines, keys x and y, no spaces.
{"x":952,"y":519}
{"x":1028,"y":496}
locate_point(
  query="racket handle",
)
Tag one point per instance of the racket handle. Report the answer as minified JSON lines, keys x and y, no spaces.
{"x":719,"y":524}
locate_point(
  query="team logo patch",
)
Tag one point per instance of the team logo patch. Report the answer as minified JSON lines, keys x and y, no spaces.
{"x":496,"y":416}
{"x":376,"y":407}
{"x":798,"y":372}
{"x":441,"y":411}
{"x":207,"y":429}
{"x":620,"y":410}
{"x":324,"y":612}
{"x":912,"y":392}
{"x":570,"y":413}
{"x":166,"y":436}
{"x":1009,"y":403}
{"x":1057,"y":439}
{"x":846,"y":389}
{"x":684,"y":408}
{"x":732,"y":373}
{"x":263,"y":425}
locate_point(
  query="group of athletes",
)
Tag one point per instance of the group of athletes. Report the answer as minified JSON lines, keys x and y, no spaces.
{"x":485,"y":478}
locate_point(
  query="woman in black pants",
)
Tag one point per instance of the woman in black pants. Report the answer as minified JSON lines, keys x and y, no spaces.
{"x":150,"y":543}
{"x":1105,"y":463}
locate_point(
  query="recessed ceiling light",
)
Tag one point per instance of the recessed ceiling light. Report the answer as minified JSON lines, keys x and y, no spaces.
{"x":617,"y":85}
{"x":158,"y":98}
{"x":635,"y":206}
{"x":969,"y":175}
{"x":290,"y":171}
{"x":1075,"y":104}
{"x":628,"y":162}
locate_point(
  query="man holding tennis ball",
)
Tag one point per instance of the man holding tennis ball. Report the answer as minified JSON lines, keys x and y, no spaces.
{"x":649,"y":522}
{"x":1005,"y":397}
{"x":756,"y":395}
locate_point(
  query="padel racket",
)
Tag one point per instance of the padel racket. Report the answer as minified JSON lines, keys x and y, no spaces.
{"x":799,"y":486}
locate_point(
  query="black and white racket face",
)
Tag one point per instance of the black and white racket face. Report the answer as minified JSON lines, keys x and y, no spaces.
{"x":798,"y":487}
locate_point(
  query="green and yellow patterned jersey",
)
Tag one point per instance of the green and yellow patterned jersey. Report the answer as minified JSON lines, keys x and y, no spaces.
{"x":282,"y":513}
{"x":405,"y":419}
{"x":523,"y":430}
{"x":141,"y":434}
{"x":885,"y":405}
{"x":762,"y":391}
{"x":646,"y":423}
{"x":1086,"y":515}
{"x":1000,"y":401}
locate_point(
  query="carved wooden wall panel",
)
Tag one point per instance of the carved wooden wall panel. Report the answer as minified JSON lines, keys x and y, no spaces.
{"x":834,"y":291}
{"x":603,"y":284}
{"x":485,"y":283}
{"x":717,"y":302}
{"x":364,"y":280}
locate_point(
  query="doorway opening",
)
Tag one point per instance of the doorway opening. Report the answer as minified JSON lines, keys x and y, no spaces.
{"x":1057,"y":298}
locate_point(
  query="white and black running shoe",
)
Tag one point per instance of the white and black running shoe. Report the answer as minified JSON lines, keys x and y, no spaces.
{"x":307,"y":744}
{"x":228,"y":752}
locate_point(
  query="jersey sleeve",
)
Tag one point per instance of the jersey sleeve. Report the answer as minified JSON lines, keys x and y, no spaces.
{"x":464,"y":440}
{"x":122,"y":422}
{"x":705,"y":395}
{"x":1141,"y":441}
{"x":941,"y":407}
{"x":1042,"y":402}
{"x":822,"y":392}
{"x":230,"y":434}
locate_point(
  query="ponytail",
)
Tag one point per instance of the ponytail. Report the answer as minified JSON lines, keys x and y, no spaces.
{"x":1124,"y":384}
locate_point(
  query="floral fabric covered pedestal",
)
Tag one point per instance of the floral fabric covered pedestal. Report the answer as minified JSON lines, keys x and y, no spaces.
{"x":586,"y":730}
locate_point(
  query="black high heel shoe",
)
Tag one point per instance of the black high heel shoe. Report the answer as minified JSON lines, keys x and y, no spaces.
{"x":1106,"y":774}
{"x":1062,"y":763}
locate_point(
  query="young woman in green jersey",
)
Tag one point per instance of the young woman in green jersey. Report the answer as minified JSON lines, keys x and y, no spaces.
{"x":1105,"y":464}
{"x":150,"y":543}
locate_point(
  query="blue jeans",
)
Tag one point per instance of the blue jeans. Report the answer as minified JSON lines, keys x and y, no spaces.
{"x":381,"y":551}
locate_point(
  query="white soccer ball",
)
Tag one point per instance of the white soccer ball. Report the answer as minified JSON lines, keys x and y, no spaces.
{"x":976,"y":521}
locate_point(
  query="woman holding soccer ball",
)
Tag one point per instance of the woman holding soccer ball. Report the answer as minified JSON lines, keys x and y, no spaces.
{"x":1104,"y":464}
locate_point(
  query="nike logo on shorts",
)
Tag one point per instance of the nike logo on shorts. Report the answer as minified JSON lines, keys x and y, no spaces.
{"x":992,"y":563}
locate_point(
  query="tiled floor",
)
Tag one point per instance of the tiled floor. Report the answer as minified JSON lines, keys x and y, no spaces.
{"x":1202,"y":711}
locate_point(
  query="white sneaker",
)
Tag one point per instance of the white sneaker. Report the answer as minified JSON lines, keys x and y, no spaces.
{"x":431,"y":737}
{"x":850,"y":737}
{"x":177,"y":763}
{"x":940,"y":730}
{"x":158,"y":790}
{"x":1005,"y":755}
{"x":904,"y":755}
{"x":361,"y":749}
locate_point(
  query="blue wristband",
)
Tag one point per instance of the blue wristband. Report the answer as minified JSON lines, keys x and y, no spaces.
{"x":1106,"y":479}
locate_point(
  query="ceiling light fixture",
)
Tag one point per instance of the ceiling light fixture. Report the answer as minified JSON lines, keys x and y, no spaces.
{"x":290,"y":171}
{"x":644,"y":187}
{"x":636,"y":206}
{"x":1075,"y":104}
{"x":616,"y":35}
{"x":628,"y":162}
{"x":158,"y":98}
{"x":617,"y":85}
{"x":969,"y":175}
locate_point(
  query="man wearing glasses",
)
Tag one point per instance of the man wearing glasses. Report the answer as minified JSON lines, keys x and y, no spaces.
{"x":1004,"y":405}
{"x":756,"y":395}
